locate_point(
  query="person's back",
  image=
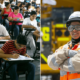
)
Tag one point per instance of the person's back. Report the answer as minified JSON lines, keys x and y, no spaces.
{"x":4,"y":35}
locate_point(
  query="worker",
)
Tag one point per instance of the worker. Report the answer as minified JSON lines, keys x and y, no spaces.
{"x":67,"y":57}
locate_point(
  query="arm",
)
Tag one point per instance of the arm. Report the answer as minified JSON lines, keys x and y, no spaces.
{"x":3,"y":55}
{"x":26,"y":55}
{"x":59,"y":58}
{"x":28,"y":26}
{"x":11,"y":10}
{"x":5,"y":38}
{"x":21,"y":19}
{"x":36,"y":33}
{"x":2,"y":12}
{"x":12,"y":19}
{"x":71,"y":64}
{"x":26,"y":22}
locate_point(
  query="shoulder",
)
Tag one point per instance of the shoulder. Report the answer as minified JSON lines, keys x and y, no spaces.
{"x":35,"y":21}
{"x":19,"y":14}
{"x":10,"y":42}
{"x":11,"y":13}
{"x":26,"y":19}
{"x":2,"y":27}
{"x":4,"y":8}
{"x":64,"y":46}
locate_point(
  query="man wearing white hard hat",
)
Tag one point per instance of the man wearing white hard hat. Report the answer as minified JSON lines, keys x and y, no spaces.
{"x":67,"y":57}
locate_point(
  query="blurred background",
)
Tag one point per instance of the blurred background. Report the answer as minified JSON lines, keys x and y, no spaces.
{"x":54,"y":14}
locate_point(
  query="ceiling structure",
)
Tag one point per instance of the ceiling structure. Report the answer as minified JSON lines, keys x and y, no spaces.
{"x":68,"y":3}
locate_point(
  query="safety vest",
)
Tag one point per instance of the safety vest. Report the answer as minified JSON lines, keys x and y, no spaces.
{"x":70,"y":75}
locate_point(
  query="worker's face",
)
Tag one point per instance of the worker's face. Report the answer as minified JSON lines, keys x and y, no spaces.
{"x":16,"y":11}
{"x":8,"y":6}
{"x":23,"y":5}
{"x":38,"y":9}
{"x":75,"y":34}
{"x":32,"y":17}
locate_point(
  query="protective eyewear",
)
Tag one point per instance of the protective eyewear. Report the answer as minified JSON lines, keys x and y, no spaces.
{"x":72,"y":27}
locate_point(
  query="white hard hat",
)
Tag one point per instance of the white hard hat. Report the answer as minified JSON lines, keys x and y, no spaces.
{"x":75,"y":16}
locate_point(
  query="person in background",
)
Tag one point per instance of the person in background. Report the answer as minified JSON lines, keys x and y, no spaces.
{"x":3,"y":33}
{"x":38,"y":3}
{"x":30,"y":23}
{"x":12,"y":49}
{"x":29,"y":9}
{"x":15,"y":16}
{"x":22,"y":8}
{"x":20,"y":0}
{"x":6,"y":0}
{"x":33,"y":2}
{"x":2,"y":5}
{"x":28,"y":1}
{"x":13,"y":2}
{"x":7,"y":11}
{"x":38,"y":11}
{"x":67,"y":57}
{"x":19,"y":3}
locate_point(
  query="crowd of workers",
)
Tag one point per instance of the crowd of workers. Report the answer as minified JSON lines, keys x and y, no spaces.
{"x":15,"y":18}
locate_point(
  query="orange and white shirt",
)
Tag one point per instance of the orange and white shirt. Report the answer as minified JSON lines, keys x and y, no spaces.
{"x":67,"y":59}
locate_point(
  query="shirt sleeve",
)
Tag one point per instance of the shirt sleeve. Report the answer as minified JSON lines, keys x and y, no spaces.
{"x":25,"y":22}
{"x":64,"y":59}
{"x":10,"y":15}
{"x":21,"y":15}
{"x":23,"y":51}
{"x":57,"y":58}
{"x":5,"y":32}
{"x":5,"y":47}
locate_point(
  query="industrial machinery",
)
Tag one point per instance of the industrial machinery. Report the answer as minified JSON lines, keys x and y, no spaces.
{"x":55,"y":33}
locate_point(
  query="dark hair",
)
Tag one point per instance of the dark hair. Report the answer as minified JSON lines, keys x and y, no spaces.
{"x":37,"y":7}
{"x":23,"y":3}
{"x":21,"y":39}
{"x":28,"y":5}
{"x":33,"y":13}
{"x":7,"y":3}
{"x":16,"y":7}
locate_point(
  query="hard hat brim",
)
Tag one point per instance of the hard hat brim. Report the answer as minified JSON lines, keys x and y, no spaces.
{"x":73,"y":19}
